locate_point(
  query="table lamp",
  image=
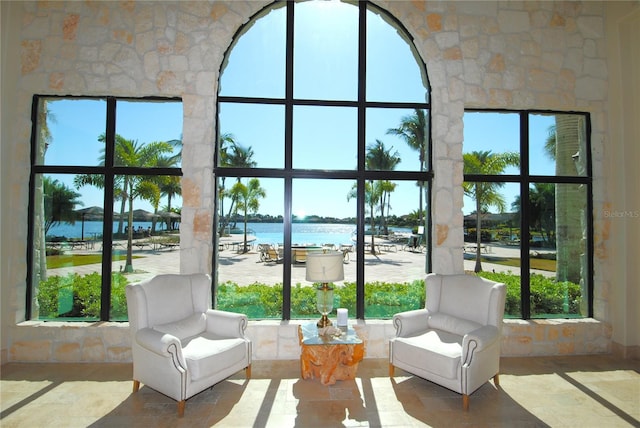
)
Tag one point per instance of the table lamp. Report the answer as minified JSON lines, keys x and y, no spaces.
{"x":324,"y":267}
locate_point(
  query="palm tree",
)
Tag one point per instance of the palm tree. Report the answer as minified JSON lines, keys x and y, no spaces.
{"x":371,"y":197}
{"x":130,"y":187}
{"x":485,"y":193}
{"x":226,"y":141}
{"x":378,"y":158}
{"x":45,"y":116}
{"x":248,"y":199}
{"x":237,"y":156}
{"x":541,"y":209}
{"x":414,"y":131}
{"x":170,"y":185}
{"x":59,"y":203}
{"x":566,"y":144}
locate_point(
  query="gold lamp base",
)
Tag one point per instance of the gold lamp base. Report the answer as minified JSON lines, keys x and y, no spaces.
{"x":324,"y":321}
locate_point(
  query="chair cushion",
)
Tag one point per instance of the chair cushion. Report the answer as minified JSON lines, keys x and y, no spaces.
{"x":436,"y":351}
{"x":451,"y":324}
{"x":185,"y":328}
{"x":208,"y":354}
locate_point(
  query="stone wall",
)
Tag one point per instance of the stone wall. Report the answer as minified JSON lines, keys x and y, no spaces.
{"x":274,"y":340}
{"x":494,"y":54}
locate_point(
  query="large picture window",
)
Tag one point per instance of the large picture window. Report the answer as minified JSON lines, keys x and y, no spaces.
{"x":105,"y":202}
{"x":323,"y":145}
{"x":527,"y":208}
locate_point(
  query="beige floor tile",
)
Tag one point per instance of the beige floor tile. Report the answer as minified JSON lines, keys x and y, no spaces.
{"x":593,"y":391}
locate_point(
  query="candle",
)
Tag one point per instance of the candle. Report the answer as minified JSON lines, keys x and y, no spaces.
{"x":343,"y":317}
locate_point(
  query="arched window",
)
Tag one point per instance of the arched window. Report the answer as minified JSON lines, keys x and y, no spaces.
{"x":323,"y":143}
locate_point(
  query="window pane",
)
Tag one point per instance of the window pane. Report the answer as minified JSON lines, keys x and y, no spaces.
{"x":558,"y":145}
{"x":325,"y":137}
{"x":326,"y":56}
{"x":395,"y":248}
{"x":148,"y":134}
{"x":322,"y":221}
{"x":491,"y":143}
{"x":393,"y":66}
{"x":69,"y":132}
{"x":251,"y":135}
{"x":250,"y":272}
{"x":256,"y":64}
{"x":558,"y":256}
{"x":497,"y":255}
{"x":404,"y":134}
{"x":67,"y":244}
{"x":146,"y":227}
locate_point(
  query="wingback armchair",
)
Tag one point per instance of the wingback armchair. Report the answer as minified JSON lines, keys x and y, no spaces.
{"x":455,"y":340}
{"x":181,"y":346}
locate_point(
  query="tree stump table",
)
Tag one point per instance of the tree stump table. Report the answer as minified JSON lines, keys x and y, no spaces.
{"x":329,"y":358}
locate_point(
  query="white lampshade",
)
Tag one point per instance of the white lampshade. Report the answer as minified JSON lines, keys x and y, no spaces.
{"x":324,"y":267}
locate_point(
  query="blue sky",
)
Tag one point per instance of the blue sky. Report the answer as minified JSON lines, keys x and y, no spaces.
{"x":324,"y":138}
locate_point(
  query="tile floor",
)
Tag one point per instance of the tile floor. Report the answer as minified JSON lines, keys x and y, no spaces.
{"x":586,"y":391}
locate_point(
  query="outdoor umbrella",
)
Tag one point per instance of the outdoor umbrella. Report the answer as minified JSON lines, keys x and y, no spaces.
{"x":142,"y":215}
{"x":169,"y":216}
{"x":90,"y":214}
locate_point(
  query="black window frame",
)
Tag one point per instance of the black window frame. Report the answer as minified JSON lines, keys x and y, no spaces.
{"x":524,"y":179}
{"x":360,"y":175}
{"x":109,"y":171}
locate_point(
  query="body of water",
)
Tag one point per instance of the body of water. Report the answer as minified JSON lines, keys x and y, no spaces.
{"x":93,"y":229}
{"x":306,"y":233}
{"x":265,"y":233}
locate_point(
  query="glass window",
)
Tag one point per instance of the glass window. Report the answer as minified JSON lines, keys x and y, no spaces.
{"x":325,"y":137}
{"x":67,"y":130}
{"x":325,"y":57}
{"x":552,"y":229}
{"x":255,"y":127}
{"x":254,"y":66}
{"x":111,"y":215}
{"x":339,"y":166}
{"x":388,"y":50}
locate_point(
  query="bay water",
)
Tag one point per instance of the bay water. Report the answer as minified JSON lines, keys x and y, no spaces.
{"x":264,"y":233}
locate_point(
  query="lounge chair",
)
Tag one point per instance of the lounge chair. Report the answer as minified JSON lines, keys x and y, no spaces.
{"x":269,"y":254}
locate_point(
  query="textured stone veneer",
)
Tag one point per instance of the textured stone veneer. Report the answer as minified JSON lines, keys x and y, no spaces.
{"x":543,"y":55}
{"x":274,"y":340}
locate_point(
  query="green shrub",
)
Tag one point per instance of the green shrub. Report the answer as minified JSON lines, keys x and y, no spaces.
{"x":382,"y":300}
{"x":74,"y":295}
{"x":548,"y":297}
{"x":79,"y":296}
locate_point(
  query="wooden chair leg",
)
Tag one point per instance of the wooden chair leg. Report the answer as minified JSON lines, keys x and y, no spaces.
{"x":247,"y":371}
{"x":465,"y":402}
{"x":136,"y":385}
{"x":391,"y":370}
{"x":181,"y":405}
{"x":496,"y":379}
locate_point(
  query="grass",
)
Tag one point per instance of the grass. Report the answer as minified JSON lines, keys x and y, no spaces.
{"x":540,"y":264}
{"x":67,"y":260}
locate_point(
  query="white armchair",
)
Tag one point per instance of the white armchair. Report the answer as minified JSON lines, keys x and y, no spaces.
{"x":455,"y":340}
{"x":180,"y":345}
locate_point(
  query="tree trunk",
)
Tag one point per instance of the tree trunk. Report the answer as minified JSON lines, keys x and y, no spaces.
{"x":570,"y":201}
{"x":478,"y":266}
{"x":128,"y":267}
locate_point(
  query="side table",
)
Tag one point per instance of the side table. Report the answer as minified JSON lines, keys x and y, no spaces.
{"x":329,"y":358}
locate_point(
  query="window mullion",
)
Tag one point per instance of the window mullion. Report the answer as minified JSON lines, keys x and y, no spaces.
{"x":107,"y":225}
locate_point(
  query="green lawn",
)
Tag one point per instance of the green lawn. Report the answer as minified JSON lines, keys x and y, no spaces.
{"x":67,"y":260}
{"x":540,"y":264}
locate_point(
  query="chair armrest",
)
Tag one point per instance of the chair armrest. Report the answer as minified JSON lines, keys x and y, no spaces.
{"x":225,"y":323}
{"x":410,"y":322}
{"x":478,"y":340}
{"x":163,"y":344}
